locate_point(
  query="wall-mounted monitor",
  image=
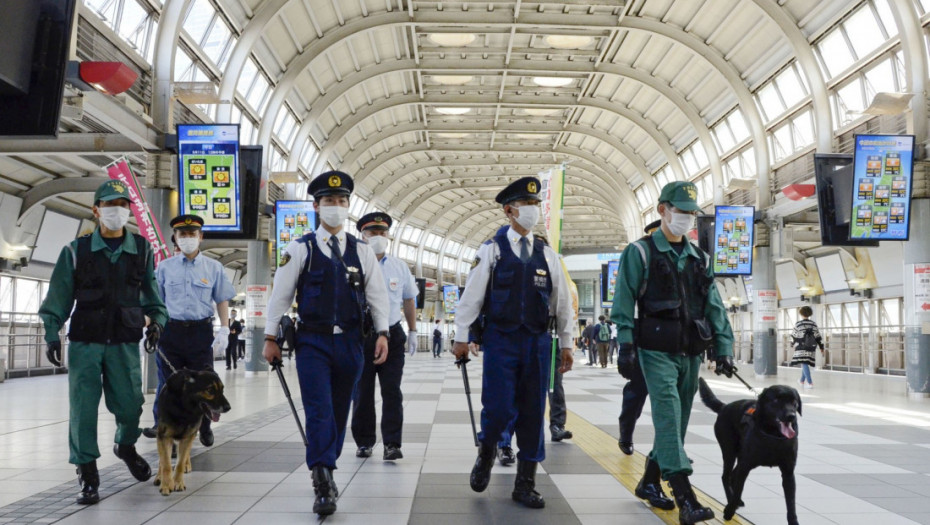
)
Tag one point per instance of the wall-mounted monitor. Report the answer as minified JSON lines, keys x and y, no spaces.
{"x":834,"y":176}
{"x":609,"y":282}
{"x":292,"y":220}
{"x":832,"y":273}
{"x":881,"y":192}
{"x":733,"y":240}
{"x":450,"y":298}
{"x":421,"y":293}
{"x":208,"y":175}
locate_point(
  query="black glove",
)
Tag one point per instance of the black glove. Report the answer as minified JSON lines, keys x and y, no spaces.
{"x":725,"y":366}
{"x":53,"y":352}
{"x":152,"y":335}
{"x":626,"y":360}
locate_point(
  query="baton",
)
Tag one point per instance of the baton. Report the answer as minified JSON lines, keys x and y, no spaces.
{"x":471,"y":413}
{"x":276,"y":365}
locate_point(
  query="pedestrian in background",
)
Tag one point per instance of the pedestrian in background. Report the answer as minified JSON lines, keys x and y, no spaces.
{"x":806,"y":338}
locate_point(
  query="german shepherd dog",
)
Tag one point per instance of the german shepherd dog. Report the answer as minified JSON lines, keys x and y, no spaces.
{"x":753,"y":433}
{"x":183,"y":402}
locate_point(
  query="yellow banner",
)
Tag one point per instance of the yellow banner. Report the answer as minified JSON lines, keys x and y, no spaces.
{"x":553,"y":183}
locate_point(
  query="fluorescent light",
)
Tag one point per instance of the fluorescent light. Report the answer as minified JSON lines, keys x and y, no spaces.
{"x":452,"y":39}
{"x":568,"y":41}
{"x":451,"y":135}
{"x":541,"y":112}
{"x":452,"y":80}
{"x":552,"y":81}
{"x":452,"y":111}
{"x":532,"y":136}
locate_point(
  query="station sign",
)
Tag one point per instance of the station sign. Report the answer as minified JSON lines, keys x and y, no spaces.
{"x":208,"y":174}
{"x":883,"y":166}
{"x":733,"y":240}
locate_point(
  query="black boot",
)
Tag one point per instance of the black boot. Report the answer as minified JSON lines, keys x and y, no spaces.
{"x":325,"y":502}
{"x":689,"y":510}
{"x":138,"y":467}
{"x":650,"y":488}
{"x":626,"y":438}
{"x":523,"y":488}
{"x":481,"y":472}
{"x":89,"y":481}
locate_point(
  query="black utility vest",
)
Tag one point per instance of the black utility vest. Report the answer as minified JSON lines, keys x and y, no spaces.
{"x":671,"y":309}
{"x":108,"y":308}
{"x":328,"y":292}
{"x":518,"y":292}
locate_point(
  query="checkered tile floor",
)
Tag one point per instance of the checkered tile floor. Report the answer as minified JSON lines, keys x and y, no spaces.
{"x":864,"y":458}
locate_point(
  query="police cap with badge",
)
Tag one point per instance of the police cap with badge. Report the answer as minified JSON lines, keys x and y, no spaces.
{"x":525,"y":188}
{"x":331,"y":183}
{"x":110,"y":191}
{"x":374,"y":220}
{"x":186,"y":222}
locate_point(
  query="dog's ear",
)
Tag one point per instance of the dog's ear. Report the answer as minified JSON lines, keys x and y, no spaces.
{"x":797,"y":400}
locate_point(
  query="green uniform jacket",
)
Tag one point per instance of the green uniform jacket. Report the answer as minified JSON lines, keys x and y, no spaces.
{"x":630,"y":279}
{"x":57,"y":306}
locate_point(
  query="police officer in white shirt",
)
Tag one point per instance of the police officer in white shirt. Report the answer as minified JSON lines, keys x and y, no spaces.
{"x":335,"y":278}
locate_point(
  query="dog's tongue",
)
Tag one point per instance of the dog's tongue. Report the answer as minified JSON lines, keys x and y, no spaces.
{"x":787,"y":430}
{"x":215,"y":416}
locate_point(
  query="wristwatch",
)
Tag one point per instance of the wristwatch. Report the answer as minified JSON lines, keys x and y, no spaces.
{"x":386,"y":334}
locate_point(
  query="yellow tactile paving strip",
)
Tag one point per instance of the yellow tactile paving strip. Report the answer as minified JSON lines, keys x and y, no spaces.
{"x":602,"y":447}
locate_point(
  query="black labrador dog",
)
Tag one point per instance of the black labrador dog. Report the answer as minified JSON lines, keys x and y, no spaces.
{"x":757,"y":432}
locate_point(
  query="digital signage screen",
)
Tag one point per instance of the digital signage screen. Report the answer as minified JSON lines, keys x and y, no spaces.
{"x":733,"y":238}
{"x":208,"y":174}
{"x":881,"y":192}
{"x":292,"y":220}
{"x":450,"y":298}
{"x":609,"y":282}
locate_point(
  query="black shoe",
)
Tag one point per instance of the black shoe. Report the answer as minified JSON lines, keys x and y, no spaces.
{"x":89,"y":480}
{"x":626,"y":447}
{"x":523,"y":488}
{"x":650,"y":487}
{"x":150,"y":432}
{"x":138,"y":467}
{"x":227,"y":368}
{"x":689,"y":510}
{"x":323,"y":488}
{"x":206,"y":436}
{"x":363,"y":452}
{"x":481,"y":472}
{"x":392,"y":452}
{"x":505,"y":456}
{"x":559,"y":433}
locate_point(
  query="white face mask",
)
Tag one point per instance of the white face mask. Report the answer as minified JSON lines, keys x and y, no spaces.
{"x":114,"y":217}
{"x":378,"y":244}
{"x":679,"y":223}
{"x":188,"y":245}
{"x":529,"y":216}
{"x":334,"y":216}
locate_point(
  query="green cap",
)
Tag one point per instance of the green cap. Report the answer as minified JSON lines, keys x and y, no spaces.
{"x":681,"y":194}
{"x":110,"y":191}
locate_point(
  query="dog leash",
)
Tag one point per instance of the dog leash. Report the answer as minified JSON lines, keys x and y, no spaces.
{"x":165,"y":359}
{"x":741,"y":380}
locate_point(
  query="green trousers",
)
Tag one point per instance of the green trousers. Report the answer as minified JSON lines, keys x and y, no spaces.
{"x":115,"y":371}
{"x":672,"y":381}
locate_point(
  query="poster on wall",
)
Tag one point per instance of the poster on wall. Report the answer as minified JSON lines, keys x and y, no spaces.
{"x":765,"y":309}
{"x":292,"y":219}
{"x":733,"y":240}
{"x":882,"y":178}
{"x":256,"y":302}
{"x":551,"y":193}
{"x":208,"y":175}
{"x":450,"y":298}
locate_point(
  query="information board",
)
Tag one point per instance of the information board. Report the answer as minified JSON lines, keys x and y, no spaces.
{"x":881,"y":192}
{"x":292,"y":219}
{"x":208,"y":174}
{"x":450,"y":298}
{"x":609,"y":282}
{"x":733,"y":238}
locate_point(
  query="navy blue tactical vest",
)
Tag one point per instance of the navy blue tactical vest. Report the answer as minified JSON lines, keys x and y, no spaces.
{"x":324,"y":296}
{"x":518,"y":294}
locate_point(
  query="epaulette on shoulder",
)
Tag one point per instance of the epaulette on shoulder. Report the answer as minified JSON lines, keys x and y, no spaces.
{"x":489,"y":241}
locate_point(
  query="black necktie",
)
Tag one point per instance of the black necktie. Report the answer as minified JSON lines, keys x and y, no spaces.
{"x":334,"y":248}
{"x":524,"y":249}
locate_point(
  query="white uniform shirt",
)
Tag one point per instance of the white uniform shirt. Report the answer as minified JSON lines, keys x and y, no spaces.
{"x":560,"y":300}
{"x":285,"y":280}
{"x":400,"y":286}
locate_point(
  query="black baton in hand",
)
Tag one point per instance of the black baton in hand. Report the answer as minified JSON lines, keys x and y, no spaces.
{"x":276,"y":366}
{"x":471,"y":413}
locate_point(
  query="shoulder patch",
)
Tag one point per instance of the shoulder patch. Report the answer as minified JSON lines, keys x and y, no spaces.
{"x":475,"y":262}
{"x":285,"y":259}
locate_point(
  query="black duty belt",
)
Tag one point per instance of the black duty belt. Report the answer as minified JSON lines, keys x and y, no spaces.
{"x":198,"y":322}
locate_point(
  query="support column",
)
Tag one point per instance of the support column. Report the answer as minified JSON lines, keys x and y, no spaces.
{"x":916,"y":302}
{"x":259,"y":265}
{"x":764,"y":306}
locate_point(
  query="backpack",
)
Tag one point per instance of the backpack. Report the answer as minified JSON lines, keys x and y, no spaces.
{"x":808,"y":341}
{"x":603,"y":333}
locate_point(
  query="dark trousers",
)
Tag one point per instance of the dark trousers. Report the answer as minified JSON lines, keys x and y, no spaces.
{"x":241,"y":348}
{"x":557,"y":395}
{"x":232,"y":349}
{"x":389,"y":375}
{"x":328,"y":368}
{"x":437,"y":347}
{"x":516,"y":376}
{"x":185,"y":347}
{"x":634,"y":398}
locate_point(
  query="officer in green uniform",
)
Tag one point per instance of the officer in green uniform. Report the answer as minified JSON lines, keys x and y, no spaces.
{"x":109,"y":274}
{"x":680,"y":316}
